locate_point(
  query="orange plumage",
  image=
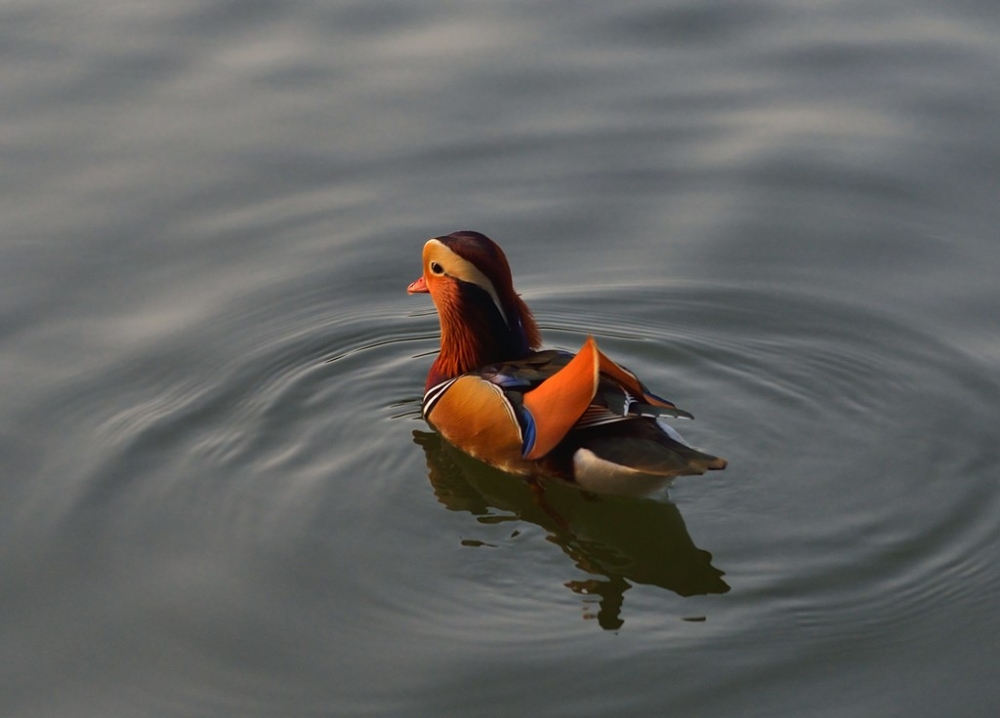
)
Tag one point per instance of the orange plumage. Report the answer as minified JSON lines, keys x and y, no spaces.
{"x":491,"y":393}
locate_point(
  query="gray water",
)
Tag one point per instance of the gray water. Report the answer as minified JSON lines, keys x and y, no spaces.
{"x":217,"y":496}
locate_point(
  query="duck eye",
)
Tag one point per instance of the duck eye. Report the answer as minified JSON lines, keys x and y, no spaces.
{"x":436,"y":268}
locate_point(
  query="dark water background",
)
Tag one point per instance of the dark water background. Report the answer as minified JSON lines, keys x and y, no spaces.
{"x":216,"y":495}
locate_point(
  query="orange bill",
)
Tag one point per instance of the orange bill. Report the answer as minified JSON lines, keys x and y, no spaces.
{"x":419,"y":286}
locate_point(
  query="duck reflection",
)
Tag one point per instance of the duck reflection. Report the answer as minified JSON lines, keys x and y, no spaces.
{"x":620,"y":541}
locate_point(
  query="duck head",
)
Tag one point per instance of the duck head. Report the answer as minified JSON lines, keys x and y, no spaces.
{"x":483,"y":320}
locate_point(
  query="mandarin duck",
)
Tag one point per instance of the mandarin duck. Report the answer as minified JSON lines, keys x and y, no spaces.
{"x":492,"y":393}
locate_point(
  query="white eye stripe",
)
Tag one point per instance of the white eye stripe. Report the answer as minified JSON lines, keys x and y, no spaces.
{"x":462,"y":269}
{"x":480,"y":280}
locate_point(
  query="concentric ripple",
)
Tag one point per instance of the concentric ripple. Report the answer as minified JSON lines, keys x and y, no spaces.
{"x":847,"y":382}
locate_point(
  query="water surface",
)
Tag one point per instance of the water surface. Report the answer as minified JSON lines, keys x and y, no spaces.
{"x":217,"y":496}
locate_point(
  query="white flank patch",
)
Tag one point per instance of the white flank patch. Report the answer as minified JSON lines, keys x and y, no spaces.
{"x":606,"y":477}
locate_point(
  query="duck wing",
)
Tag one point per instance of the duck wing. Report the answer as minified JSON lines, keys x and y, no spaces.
{"x":554,"y":393}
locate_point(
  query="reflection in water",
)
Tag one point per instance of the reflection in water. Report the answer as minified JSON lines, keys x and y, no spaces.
{"x":619,"y":540}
